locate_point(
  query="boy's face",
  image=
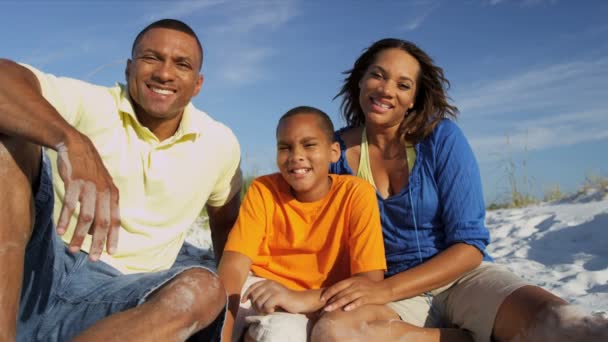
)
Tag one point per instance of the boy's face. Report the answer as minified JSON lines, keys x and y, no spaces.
{"x":303,"y":156}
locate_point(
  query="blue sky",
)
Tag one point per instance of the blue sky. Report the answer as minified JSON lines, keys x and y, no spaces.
{"x":530,"y":72}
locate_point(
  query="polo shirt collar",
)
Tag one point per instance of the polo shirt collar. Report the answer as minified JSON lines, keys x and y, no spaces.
{"x":186,"y":127}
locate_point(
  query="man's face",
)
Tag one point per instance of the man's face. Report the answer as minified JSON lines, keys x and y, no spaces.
{"x":163,"y":75}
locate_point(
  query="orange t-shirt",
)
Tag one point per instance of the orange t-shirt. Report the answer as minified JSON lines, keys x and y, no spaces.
{"x":309,"y":245}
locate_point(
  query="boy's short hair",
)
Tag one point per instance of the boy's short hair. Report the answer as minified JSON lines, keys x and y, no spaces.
{"x":325,"y":121}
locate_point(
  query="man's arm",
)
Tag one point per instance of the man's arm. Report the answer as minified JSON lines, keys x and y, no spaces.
{"x":26,"y":114}
{"x":221,"y":220}
{"x":233,"y":270}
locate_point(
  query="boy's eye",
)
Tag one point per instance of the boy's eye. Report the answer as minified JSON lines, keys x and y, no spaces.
{"x":310,"y":145}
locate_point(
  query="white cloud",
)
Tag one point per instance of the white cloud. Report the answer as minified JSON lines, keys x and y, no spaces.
{"x":422,"y":10}
{"x":238,"y":38}
{"x":524,"y":3}
{"x":178,"y":9}
{"x":562,"y":129}
{"x":246,"y":17}
{"x":552,"y":86}
{"x":555,"y":105}
{"x":245,"y":66}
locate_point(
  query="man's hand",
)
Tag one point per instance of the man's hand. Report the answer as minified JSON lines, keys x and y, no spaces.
{"x":354,"y":292}
{"x":88,"y":182}
{"x":269,"y":296}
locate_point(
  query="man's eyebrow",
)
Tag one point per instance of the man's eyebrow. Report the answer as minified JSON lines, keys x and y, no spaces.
{"x":183,"y":59}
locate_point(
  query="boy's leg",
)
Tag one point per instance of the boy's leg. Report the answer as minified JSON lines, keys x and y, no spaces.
{"x":249,"y":326}
{"x":19,"y":169}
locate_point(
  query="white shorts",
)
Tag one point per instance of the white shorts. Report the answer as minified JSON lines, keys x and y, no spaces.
{"x":278,"y":326}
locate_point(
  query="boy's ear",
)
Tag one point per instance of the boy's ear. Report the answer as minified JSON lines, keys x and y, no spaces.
{"x":335,"y":152}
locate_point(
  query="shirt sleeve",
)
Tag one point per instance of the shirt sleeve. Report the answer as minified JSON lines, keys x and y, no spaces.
{"x":366,"y":242}
{"x":250,"y":228}
{"x":459,"y":185}
{"x":230,"y":182}
{"x":65,"y":94}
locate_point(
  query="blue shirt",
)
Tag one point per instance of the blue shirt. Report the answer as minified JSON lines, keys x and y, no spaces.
{"x":441,"y":205}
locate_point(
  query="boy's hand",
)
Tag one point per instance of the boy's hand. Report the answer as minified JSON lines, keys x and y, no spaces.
{"x":269,"y":296}
{"x":354,"y":292}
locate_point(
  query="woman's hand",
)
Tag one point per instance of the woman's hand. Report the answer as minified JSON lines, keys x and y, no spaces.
{"x":354,"y":292}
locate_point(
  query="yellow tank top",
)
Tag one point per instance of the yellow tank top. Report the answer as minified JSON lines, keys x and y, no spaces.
{"x":365,"y":169}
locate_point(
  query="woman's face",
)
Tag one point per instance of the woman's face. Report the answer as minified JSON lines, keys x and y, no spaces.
{"x":388,"y":87}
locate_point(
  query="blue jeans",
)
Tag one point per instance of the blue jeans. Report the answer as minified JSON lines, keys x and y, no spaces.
{"x":64,"y":293}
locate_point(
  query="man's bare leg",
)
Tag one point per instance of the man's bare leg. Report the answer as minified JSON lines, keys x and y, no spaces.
{"x":19,"y":170}
{"x":377,"y":323}
{"x":176,"y":311}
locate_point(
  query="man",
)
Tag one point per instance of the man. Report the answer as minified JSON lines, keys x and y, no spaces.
{"x":143,"y":141}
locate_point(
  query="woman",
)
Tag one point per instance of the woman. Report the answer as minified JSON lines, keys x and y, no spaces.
{"x":399,"y":137}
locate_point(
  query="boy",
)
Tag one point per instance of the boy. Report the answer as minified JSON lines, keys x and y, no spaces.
{"x":298,"y":231}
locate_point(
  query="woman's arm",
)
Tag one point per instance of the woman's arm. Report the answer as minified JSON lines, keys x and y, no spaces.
{"x":458,"y":183}
{"x":442,"y":269}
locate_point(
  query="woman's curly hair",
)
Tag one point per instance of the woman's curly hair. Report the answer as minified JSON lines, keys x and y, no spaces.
{"x":431,"y":103}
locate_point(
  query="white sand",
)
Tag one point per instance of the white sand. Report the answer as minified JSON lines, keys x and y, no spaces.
{"x":561,"y":246}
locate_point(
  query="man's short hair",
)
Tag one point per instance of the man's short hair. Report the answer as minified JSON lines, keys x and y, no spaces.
{"x":172,"y":24}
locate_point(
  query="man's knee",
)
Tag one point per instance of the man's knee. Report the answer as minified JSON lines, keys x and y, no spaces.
{"x":19,"y":158}
{"x":195,"y":293}
{"x":20,"y":164}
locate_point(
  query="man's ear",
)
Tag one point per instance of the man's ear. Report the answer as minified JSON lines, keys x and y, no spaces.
{"x":127,"y":69}
{"x":199,"y":84}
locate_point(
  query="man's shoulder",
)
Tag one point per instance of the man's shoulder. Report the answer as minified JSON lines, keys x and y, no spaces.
{"x":65,"y":81}
{"x":205,"y":122}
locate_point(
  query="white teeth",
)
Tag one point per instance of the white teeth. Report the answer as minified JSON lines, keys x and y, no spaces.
{"x":383,"y":105}
{"x":300,"y":171}
{"x":162,"y":91}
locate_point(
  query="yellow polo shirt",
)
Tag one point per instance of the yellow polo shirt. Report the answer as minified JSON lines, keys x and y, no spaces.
{"x":163,"y":185}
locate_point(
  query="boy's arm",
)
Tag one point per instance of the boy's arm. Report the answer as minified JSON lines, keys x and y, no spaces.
{"x":233,"y":270}
{"x":375,"y":275}
{"x":268,"y":296}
